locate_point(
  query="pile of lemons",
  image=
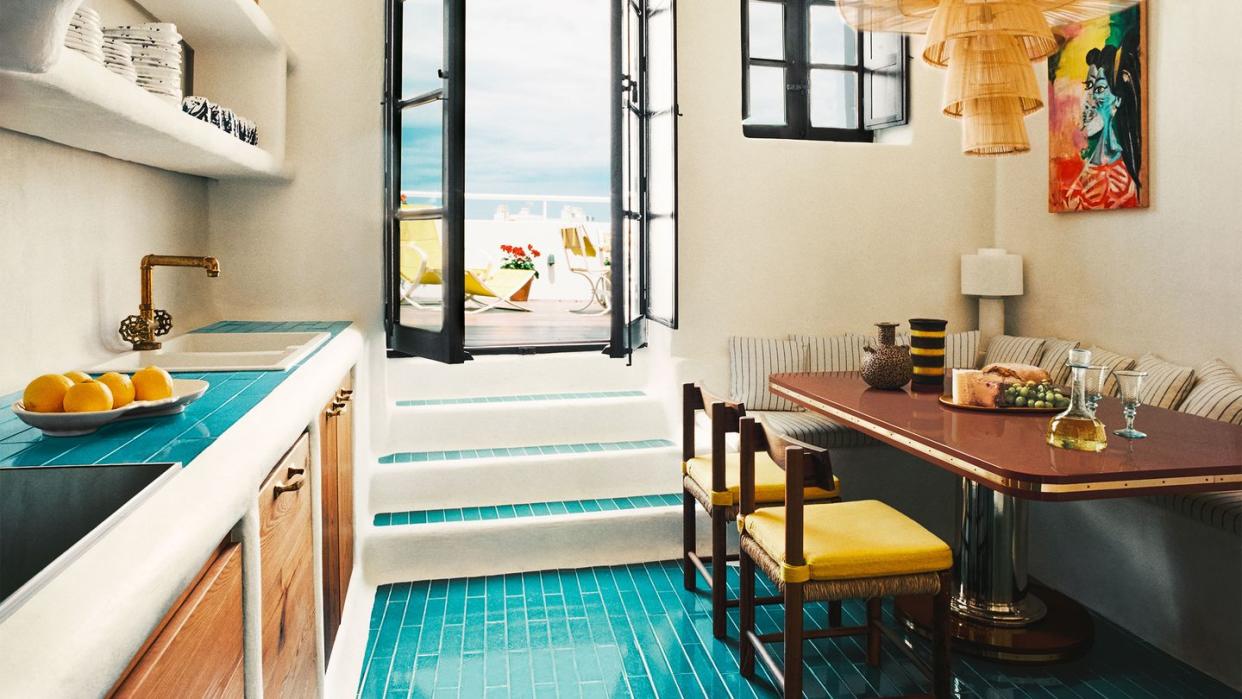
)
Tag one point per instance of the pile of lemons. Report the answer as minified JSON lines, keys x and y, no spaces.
{"x":77,"y":392}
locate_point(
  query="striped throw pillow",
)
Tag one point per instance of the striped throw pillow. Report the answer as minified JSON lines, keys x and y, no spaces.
{"x":1166,"y":385}
{"x":1217,"y":394}
{"x":1007,"y":349}
{"x":1115,"y":362}
{"x":837,"y":353}
{"x":752,"y":360}
{"x":961,"y":350}
{"x":1056,"y":354}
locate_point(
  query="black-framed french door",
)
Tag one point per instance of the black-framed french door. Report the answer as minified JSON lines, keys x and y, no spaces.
{"x":425,"y":129}
{"x":644,"y":170}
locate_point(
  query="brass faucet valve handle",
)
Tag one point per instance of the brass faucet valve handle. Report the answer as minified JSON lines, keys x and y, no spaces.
{"x":163,"y":322}
{"x":134,"y":330}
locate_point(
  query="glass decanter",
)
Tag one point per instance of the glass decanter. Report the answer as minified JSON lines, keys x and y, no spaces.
{"x":1077,"y":428}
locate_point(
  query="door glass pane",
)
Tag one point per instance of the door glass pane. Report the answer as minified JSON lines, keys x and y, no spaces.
{"x":422,"y":46}
{"x":422,"y":154}
{"x":662,"y":276}
{"x":767,"y":29}
{"x":834,"y":99}
{"x":832,"y":40}
{"x":767,"y":96}
{"x":421,"y":262}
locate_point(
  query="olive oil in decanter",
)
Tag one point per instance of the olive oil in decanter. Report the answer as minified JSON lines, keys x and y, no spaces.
{"x":1077,"y":428}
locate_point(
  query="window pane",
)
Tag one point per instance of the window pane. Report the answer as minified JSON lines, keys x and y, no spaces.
{"x":662,"y":274}
{"x":767,"y":96}
{"x":421,"y":262}
{"x":834,"y":99}
{"x":832,"y":40}
{"x":422,"y":46}
{"x":767,"y":29}
{"x":422,"y":154}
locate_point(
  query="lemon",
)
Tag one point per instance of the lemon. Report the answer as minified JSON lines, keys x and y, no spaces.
{"x":152,"y":383}
{"x":78,"y":376}
{"x":46,"y":394}
{"x":88,"y":397}
{"x":121,"y":386}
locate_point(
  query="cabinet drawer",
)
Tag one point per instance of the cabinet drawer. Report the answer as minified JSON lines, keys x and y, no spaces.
{"x":198,"y":650}
{"x":286,"y":551}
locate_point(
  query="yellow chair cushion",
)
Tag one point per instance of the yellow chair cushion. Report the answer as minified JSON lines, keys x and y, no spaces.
{"x":846,"y":540}
{"x":769,"y":479}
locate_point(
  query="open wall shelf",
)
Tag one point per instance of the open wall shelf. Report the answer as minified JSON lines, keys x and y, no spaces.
{"x":241,"y":62}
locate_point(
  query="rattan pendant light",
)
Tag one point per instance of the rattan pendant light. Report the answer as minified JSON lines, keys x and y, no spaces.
{"x":990,"y":66}
{"x":915,"y":16}
{"x":963,"y":19}
{"x":993,"y":126}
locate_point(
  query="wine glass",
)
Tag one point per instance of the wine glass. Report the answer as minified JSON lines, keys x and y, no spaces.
{"x":1097,"y":376}
{"x":1130,"y":383}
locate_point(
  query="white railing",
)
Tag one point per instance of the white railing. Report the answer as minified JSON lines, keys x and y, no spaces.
{"x":539,"y":199}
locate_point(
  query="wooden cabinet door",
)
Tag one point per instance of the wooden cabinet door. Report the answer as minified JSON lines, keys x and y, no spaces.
{"x":286,"y":551}
{"x":197,"y":650}
{"x":336,"y":447}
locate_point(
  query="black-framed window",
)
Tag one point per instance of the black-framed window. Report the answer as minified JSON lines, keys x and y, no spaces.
{"x":808,"y":75}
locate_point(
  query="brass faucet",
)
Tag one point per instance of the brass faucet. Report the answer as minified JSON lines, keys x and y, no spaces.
{"x":142,"y":329}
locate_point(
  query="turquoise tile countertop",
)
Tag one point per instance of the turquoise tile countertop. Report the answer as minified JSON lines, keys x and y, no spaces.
{"x":173,"y":438}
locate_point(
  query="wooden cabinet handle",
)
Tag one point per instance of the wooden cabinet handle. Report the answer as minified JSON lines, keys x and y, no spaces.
{"x":292,"y":484}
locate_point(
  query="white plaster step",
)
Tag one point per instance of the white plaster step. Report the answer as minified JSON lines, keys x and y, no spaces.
{"x":511,"y":539}
{"x":438,"y":424}
{"x":513,"y":374}
{"x":433,"y":480}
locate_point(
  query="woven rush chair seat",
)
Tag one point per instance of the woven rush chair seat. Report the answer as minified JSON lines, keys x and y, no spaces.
{"x":844,"y":588}
{"x":769,"y":482}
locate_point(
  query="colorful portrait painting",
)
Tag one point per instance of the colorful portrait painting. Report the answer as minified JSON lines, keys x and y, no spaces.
{"x":1097,"y":115}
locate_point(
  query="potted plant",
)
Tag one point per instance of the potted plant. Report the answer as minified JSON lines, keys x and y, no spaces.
{"x":518,"y":257}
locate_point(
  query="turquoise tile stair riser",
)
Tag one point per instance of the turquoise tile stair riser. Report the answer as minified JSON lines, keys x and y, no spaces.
{"x":632,"y":631}
{"x":176,"y":438}
{"x":536,"y":509}
{"x":511,"y":452}
{"x":586,"y":395}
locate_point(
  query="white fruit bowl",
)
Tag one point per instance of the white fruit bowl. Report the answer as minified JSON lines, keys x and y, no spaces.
{"x":185,"y":391}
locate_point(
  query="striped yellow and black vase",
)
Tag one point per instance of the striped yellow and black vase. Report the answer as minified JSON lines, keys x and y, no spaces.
{"x":927,"y":351}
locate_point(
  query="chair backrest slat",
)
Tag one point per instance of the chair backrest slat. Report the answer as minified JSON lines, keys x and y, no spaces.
{"x":817,"y":465}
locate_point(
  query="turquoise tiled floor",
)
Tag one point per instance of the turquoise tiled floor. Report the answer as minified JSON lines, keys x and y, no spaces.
{"x":536,"y":509}
{"x":516,"y":399}
{"x":541,"y":450}
{"x":174,"y":438}
{"x":632,"y":630}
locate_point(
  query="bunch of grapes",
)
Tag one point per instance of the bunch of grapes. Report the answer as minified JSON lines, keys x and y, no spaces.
{"x":1033,"y":395}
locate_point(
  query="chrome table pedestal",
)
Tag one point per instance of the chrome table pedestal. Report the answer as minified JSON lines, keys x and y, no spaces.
{"x":998,"y":612}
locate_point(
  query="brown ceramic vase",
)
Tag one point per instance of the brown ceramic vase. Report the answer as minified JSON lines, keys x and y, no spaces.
{"x":887,"y":366}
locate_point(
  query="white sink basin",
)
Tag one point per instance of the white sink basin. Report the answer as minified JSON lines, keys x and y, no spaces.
{"x":222,"y":352}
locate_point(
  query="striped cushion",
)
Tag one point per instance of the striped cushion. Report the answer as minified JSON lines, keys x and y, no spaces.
{"x":814,"y":429}
{"x":1166,"y":385}
{"x":1220,"y":510}
{"x":961,"y":350}
{"x":1007,"y":349}
{"x":1056,"y":354}
{"x":752,"y":360}
{"x":1217,"y":394}
{"x":1115,"y":362}
{"x":837,"y":353}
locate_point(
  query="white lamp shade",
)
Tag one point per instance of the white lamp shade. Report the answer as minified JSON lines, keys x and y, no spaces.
{"x":992,"y":272}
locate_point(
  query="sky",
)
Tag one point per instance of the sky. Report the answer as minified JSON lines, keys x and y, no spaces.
{"x":537,"y":112}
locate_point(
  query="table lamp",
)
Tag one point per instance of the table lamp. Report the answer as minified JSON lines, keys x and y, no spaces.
{"x":991,"y":274}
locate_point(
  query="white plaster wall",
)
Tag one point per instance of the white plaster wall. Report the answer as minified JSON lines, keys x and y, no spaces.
{"x":73,"y":227}
{"x":1167,"y":279}
{"x":798,"y":236}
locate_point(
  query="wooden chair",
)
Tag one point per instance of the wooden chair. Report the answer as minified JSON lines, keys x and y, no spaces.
{"x":714,"y":482}
{"x":814,"y":552}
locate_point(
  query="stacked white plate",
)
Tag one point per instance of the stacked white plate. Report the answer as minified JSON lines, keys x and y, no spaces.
{"x":155,"y":49}
{"x":118,"y":57}
{"x":85,"y":34}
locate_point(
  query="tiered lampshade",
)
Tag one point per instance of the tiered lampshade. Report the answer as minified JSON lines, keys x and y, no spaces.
{"x":907,"y":16}
{"x":962,"y":19}
{"x":987,"y":67}
{"x":993,"y":126}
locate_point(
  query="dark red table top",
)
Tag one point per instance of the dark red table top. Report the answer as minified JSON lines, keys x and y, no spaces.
{"x":1008,"y":452}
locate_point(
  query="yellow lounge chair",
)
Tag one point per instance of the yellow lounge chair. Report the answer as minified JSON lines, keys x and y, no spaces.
{"x":422,"y":258}
{"x":579,"y":252}
{"x":492,"y":288}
